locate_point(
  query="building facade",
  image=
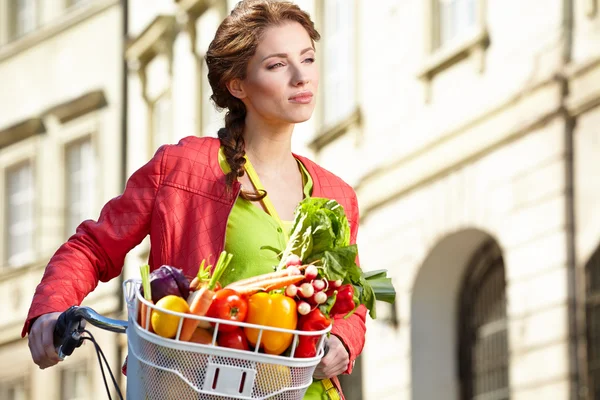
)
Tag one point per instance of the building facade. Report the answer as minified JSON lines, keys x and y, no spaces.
{"x":469,"y":128}
{"x":479,"y":191}
{"x":61,"y":80}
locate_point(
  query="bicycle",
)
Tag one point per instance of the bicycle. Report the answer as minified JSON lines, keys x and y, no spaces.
{"x":162,"y":368}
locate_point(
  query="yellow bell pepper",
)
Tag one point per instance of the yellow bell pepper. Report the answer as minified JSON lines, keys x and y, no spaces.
{"x":276,"y":310}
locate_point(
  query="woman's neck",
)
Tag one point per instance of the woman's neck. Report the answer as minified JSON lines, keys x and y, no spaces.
{"x":269,"y":148}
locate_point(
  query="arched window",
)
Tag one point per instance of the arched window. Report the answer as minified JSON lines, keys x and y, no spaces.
{"x":593,"y":324}
{"x":483,"y":334}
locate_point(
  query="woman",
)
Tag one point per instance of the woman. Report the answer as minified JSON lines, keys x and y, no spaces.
{"x":196,"y":198}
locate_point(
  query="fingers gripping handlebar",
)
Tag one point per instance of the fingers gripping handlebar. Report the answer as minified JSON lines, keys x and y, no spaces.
{"x":67,"y":332}
{"x":71,"y":324}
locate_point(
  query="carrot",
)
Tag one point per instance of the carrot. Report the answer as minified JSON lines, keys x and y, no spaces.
{"x":267,"y":285}
{"x":143,"y":317}
{"x":200,"y":305}
{"x":259,"y":279}
{"x":203,"y":297}
{"x":145,"y":272}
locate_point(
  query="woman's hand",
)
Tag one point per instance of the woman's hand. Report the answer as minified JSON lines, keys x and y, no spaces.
{"x":41,"y":340}
{"x":335,"y":362}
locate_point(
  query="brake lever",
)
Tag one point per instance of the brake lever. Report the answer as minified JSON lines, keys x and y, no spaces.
{"x":67,"y":332}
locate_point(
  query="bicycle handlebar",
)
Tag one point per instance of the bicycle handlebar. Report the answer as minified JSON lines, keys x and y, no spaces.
{"x":71,"y":323}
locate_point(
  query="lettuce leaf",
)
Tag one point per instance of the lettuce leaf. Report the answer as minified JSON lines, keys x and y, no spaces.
{"x":321,"y":234}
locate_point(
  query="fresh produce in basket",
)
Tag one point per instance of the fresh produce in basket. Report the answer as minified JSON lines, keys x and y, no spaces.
{"x":275,"y":310}
{"x":313,"y":321}
{"x":165,"y":324}
{"x":144,"y":311}
{"x":202,"y":299}
{"x":229,"y":305}
{"x":202,"y":336}
{"x":234,"y":339}
{"x":321,"y":236}
{"x":316,"y":280}
{"x":168,"y":280}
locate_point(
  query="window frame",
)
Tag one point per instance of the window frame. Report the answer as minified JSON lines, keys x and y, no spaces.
{"x":469,"y":46}
{"x":31,"y":255}
{"x":13,"y":33}
{"x":66,"y":147}
{"x":80,"y":128}
{"x":326,"y":133}
{"x":436,"y":33}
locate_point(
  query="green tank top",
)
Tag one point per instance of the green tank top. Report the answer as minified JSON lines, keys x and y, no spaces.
{"x":248,"y":229}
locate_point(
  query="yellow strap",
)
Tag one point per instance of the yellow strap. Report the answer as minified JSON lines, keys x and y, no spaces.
{"x":254,"y":179}
{"x":330,"y":389}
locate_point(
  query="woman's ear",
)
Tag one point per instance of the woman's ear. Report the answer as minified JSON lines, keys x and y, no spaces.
{"x":236,"y":88}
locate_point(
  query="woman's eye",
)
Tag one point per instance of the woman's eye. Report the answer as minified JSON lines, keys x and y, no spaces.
{"x":310,"y":60}
{"x":277,"y":65}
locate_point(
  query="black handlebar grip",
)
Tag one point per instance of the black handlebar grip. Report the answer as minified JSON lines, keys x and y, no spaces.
{"x":67,"y":331}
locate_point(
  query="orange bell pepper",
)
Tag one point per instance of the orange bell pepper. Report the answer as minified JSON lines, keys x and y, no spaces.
{"x":276,"y":310}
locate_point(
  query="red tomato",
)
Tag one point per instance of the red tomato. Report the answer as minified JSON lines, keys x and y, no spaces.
{"x":235,"y":339}
{"x":230,"y":306}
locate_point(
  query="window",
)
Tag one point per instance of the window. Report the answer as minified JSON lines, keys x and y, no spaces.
{"x":593,"y":324}
{"x":483,"y":335}
{"x":455,"y":18}
{"x":71,"y":3}
{"x":19,"y":214}
{"x":80,"y":184}
{"x":13,"y":390}
{"x":24,"y":17}
{"x":161,"y":121}
{"x":339,"y":32}
{"x":74,"y":383}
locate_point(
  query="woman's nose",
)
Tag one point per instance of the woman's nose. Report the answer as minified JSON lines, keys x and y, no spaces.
{"x":300,"y":78}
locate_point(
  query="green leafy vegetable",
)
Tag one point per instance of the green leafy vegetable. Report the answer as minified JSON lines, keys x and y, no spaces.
{"x":321,"y":234}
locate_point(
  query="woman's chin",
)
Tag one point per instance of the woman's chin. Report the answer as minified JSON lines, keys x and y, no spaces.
{"x":300,"y":116}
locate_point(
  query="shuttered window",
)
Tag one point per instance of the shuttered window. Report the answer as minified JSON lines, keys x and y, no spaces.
{"x":483,"y":329}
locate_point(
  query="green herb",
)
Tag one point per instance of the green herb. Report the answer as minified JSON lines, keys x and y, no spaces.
{"x":145,"y":273}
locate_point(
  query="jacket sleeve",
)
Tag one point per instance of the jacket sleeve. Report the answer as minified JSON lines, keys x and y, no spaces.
{"x":98,"y":248}
{"x":352,"y":331}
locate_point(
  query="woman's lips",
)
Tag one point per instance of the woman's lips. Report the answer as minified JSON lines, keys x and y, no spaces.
{"x":302,"y":98}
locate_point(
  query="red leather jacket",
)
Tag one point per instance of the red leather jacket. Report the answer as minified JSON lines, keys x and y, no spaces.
{"x":181,"y":199}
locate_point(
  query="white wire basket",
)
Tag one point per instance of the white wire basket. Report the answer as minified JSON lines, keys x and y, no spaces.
{"x":163,"y":369}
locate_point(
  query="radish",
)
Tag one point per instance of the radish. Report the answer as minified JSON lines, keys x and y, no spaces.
{"x":303,"y":308}
{"x":291,"y":290}
{"x":320,"y":297}
{"x":319,"y":284}
{"x":293,"y":270}
{"x":306,"y":290}
{"x":311,"y":272}
{"x":335,"y":284}
{"x":293,"y":260}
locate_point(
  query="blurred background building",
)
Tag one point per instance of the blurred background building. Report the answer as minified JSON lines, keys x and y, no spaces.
{"x":469,"y":128}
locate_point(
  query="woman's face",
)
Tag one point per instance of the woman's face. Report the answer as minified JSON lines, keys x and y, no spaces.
{"x":282,"y":78}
